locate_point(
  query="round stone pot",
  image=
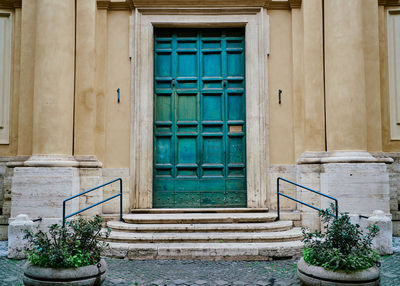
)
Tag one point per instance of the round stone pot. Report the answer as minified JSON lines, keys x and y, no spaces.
{"x":315,"y":275}
{"x":81,"y":276}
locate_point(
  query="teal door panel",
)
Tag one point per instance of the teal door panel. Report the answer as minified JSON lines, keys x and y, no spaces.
{"x":199,"y":118}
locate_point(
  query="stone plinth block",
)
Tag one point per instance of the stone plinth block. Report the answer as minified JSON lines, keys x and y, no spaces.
{"x":16,"y":233}
{"x":45,"y":188}
{"x":90,"y":178}
{"x":396,"y":228}
{"x":360,"y":188}
{"x":383,"y":241}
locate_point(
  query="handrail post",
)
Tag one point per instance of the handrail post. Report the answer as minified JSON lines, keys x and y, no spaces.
{"x":63,"y":213}
{"x":120,"y":200}
{"x":277,"y":197}
{"x":336,"y":209}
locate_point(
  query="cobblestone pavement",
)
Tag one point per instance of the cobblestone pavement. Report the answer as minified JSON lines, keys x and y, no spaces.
{"x":171,"y":272}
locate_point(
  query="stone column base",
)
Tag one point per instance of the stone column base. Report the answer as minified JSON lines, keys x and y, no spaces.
{"x":360,"y":188}
{"x":357,"y":179}
{"x":40,"y":184}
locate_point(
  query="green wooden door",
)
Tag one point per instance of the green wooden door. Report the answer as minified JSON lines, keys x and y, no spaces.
{"x":199,"y":118}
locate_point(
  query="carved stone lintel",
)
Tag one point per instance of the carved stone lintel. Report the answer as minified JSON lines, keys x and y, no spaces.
{"x":295,"y":4}
{"x":103,"y":4}
{"x":131,"y":4}
{"x":389,"y":2}
{"x":277,"y":5}
{"x":10,"y":4}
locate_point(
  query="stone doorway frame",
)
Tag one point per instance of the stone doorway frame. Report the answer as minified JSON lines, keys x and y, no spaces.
{"x":256,"y":23}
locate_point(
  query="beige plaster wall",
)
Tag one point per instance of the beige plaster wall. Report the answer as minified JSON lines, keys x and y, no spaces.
{"x":288,"y":39}
{"x":85,"y":72}
{"x":100,"y":83}
{"x":117,"y":120}
{"x":25,"y":109}
{"x":280,"y":77}
{"x":53,"y":95}
{"x":372,"y":70}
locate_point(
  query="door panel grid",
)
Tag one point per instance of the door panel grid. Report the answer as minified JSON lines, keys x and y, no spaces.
{"x":199,"y":118}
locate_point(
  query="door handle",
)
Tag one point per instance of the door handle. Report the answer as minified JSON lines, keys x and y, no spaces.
{"x":224,"y":82}
{"x":173,"y":82}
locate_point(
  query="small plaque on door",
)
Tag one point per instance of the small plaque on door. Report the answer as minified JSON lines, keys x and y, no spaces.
{"x":235,"y":128}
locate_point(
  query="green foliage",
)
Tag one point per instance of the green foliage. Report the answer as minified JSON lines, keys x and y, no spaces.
{"x":342,"y":246}
{"x":75,"y":245}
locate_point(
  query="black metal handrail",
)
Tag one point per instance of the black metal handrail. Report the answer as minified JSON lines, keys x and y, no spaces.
{"x":96,"y":204}
{"x":303,"y":203}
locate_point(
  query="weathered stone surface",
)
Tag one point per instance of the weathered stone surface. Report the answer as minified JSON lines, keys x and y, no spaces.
{"x":200,"y":218}
{"x":88,"y":179}
{"x":109,"y":174}
{"x":314,"y":275}
{"x":360,"y":187}
{"x":46,"y":187}
{"x":82,"y":276}
{"x":288,"y":172}
{"x":206,"y":251}
{"x":244,"y":227}
{"x":383,"y":241}
{"x":396,"y":228}
{"x":16,"y":233}
{"x":286,"y":235}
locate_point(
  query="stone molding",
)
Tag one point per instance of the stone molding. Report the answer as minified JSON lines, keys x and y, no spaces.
{"x":256,"y":22}
{"x":10,"y":4}
{"x":343,"y":157}
{"x":131,"y":4}
{"x":389,"y":2}
{"x":88,"y":161}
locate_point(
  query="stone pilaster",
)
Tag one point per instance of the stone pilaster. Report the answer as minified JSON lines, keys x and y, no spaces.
{"x":50,"y":175}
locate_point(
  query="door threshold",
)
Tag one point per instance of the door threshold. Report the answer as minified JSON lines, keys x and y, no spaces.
{"x":199,"y":210}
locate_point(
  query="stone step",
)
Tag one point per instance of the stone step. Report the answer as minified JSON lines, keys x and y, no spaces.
{"x":199,"y":218}
{"x":205,"y":251}
{"x":204,"y":237}
{"x":199,"y":210}
{"x":201,"y":227}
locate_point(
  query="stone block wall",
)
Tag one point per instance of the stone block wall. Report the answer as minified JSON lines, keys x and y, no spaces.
{"x":5,"y":197}
{"x":93,"y":177}
{"x":287,"y":172}
{"x":394,"y":177}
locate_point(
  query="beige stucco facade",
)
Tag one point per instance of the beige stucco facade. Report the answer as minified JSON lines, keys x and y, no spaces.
{"x":333,"y":131}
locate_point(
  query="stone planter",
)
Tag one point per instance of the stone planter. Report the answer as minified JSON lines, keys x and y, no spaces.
{"x":315,"y":275}
{"x":82,"y":276}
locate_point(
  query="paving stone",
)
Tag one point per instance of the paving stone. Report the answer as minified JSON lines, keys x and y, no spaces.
{"x":221,"y":282}
{"x":11,"y":279}
{"x":169,"y":272}
{"x":179,"y":282}
{"x":239,"y":283}
{"x":390,"y":275}
{"x":118,"y":281}
{"x":262,"y":283}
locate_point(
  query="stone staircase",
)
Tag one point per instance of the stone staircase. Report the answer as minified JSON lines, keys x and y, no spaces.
{"x":208,"y":234}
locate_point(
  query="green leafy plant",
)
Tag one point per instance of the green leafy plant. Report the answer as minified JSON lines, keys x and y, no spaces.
{"x":77,"y":244}
{"x":341,"y":246}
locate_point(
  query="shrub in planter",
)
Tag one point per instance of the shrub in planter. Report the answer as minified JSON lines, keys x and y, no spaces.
{"x":341,"y":253}
{"x":65,"y":254}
